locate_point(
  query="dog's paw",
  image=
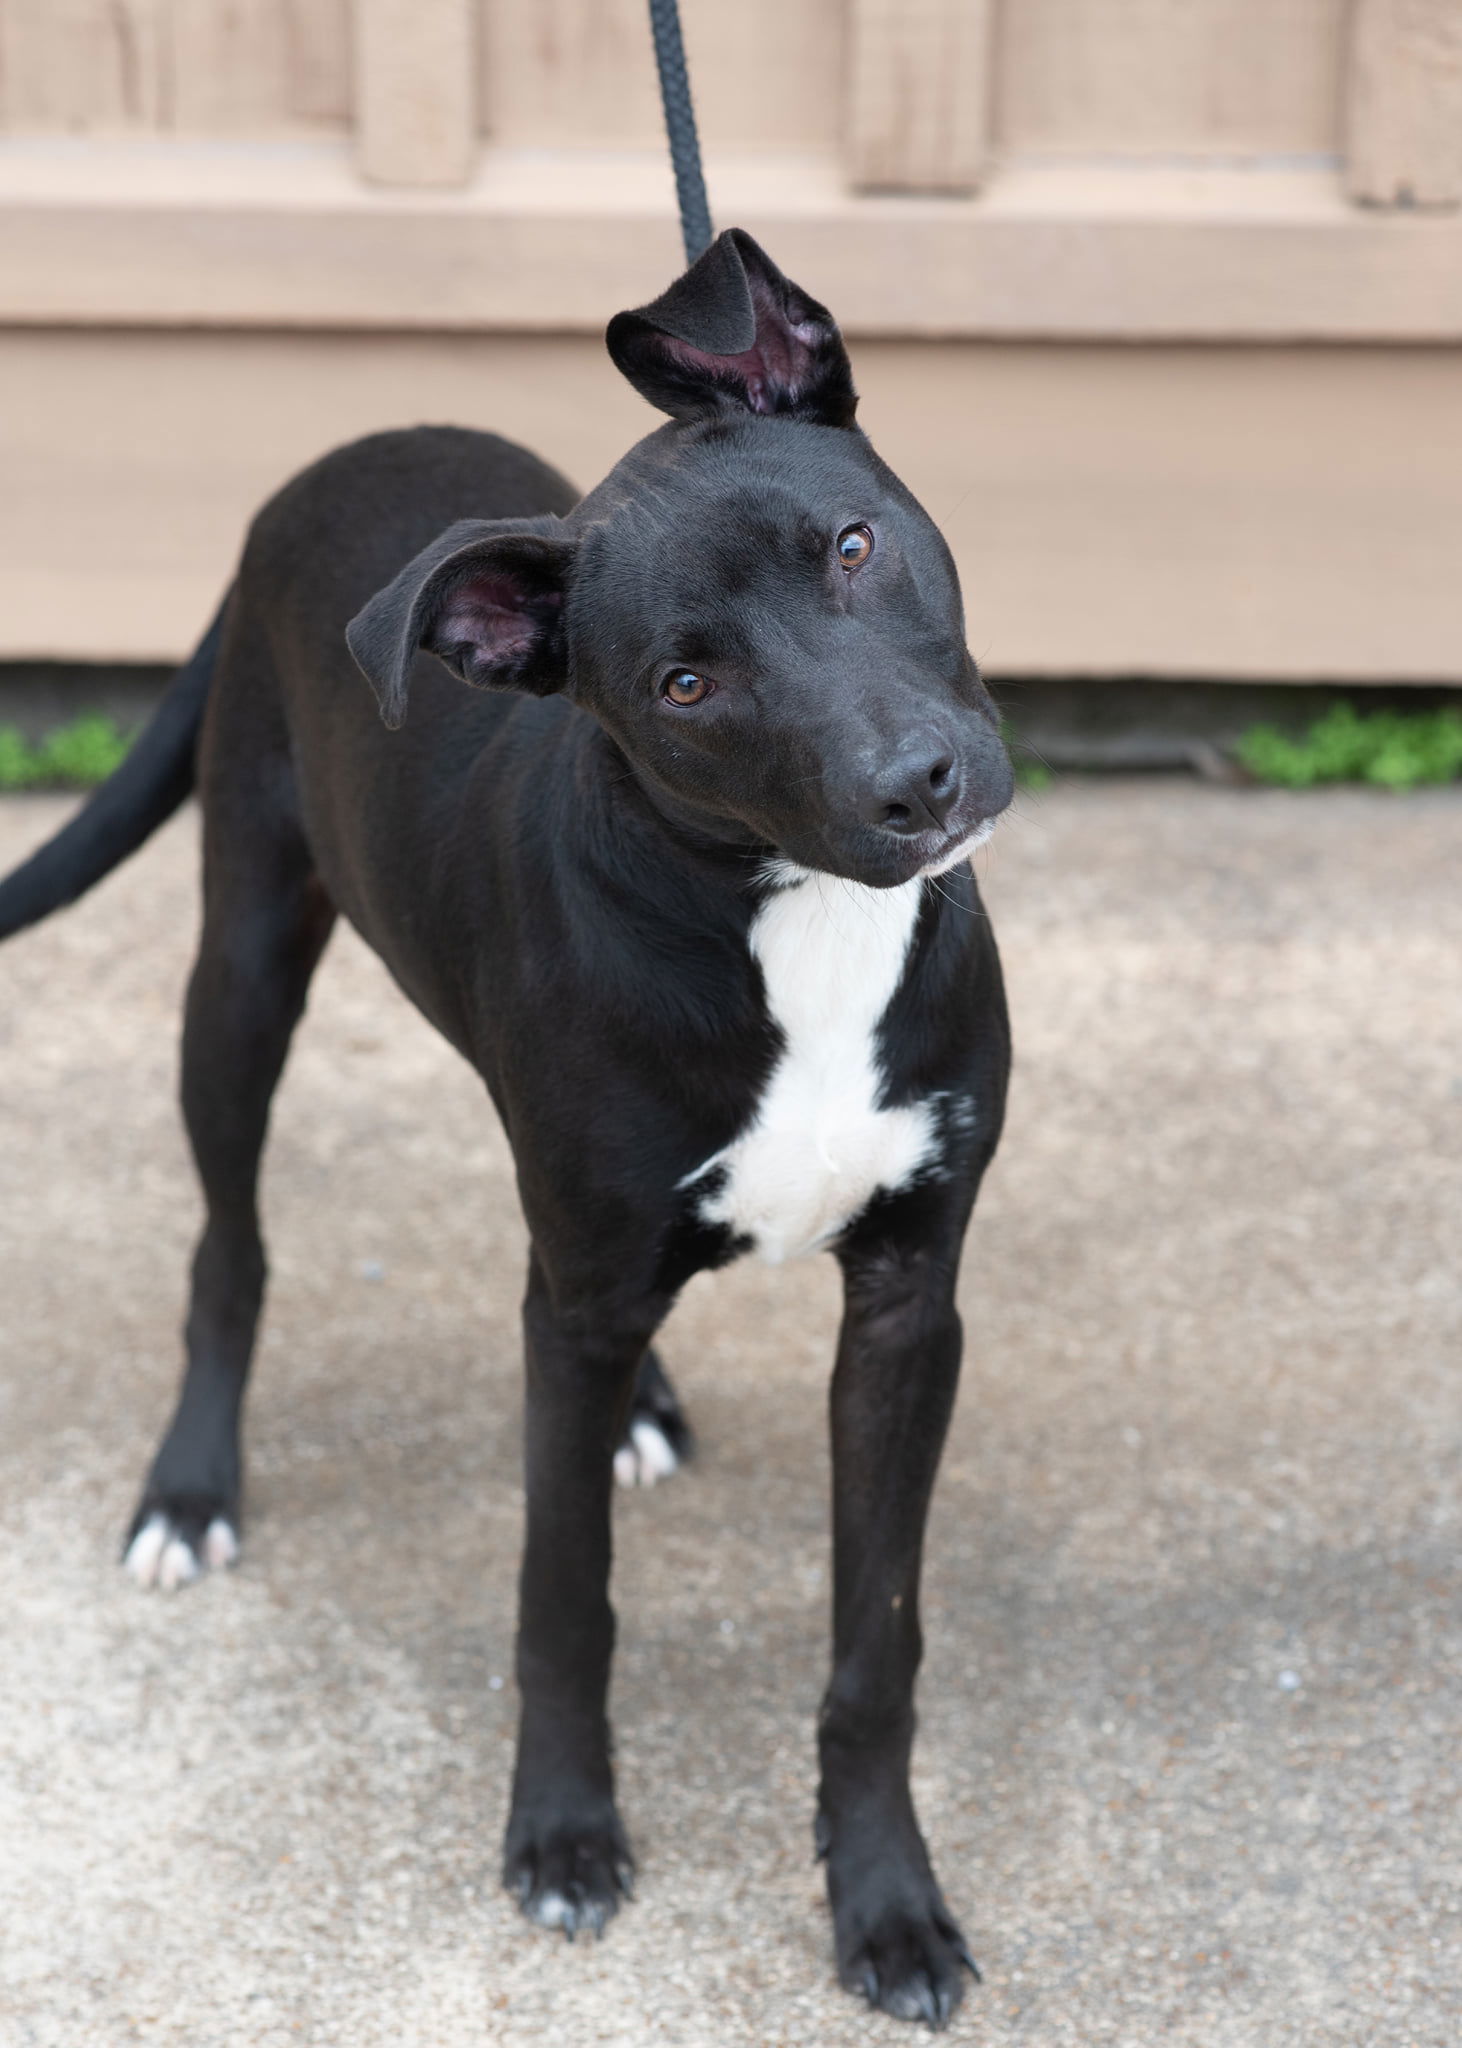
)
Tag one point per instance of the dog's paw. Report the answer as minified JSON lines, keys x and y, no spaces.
{"x":657,"y":1438}
{"x":909,"y":1963}
{"x":648,"y":1453}
{"x":174,"y":1540}
{"x":571,"y":1879}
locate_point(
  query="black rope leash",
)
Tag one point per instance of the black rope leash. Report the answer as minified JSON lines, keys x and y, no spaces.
{"x":685,"y":149}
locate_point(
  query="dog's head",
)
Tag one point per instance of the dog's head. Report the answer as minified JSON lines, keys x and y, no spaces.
{"x":751,"y":603}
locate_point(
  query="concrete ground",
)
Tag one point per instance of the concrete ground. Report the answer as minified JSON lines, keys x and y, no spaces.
{"x":1192,"y":1708}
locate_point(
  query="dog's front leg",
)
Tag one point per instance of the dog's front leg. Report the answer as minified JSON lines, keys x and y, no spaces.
{"x":892,"y":1392}
{"x":566,"y":1855}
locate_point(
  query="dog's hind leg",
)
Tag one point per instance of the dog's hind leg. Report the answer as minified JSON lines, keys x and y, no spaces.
{"x":657,"y":1438}
{"x":266,"y":919}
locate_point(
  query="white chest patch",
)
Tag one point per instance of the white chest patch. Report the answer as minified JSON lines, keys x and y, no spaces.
{"x":832,"y":954}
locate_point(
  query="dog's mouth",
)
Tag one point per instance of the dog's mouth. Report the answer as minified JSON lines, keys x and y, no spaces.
{"x":894,"y":862}
{"x":934,"y":853}
{"x":960,"y":848}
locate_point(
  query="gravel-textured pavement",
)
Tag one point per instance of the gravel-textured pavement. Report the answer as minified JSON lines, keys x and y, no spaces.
{"x":1192,"y":1707}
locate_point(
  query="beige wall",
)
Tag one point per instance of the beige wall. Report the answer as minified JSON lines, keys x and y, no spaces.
{"x":563,"y":73}
{"x":207,"y":67}
{"x":1155,"y":301}
{"x":1170,"y":511}
{"x":1201,"y":78}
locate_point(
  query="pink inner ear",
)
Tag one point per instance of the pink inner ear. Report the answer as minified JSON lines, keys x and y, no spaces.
{"x":492,"y":612}
{"x":774,"y":367}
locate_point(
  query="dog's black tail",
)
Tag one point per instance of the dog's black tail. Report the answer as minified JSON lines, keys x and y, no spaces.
{"x":130,"y":805}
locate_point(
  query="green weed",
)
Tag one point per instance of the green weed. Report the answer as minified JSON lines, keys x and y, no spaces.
{"x":1031,"y":771}
{"x":1398,"y":749}
{"x":77,"y":755}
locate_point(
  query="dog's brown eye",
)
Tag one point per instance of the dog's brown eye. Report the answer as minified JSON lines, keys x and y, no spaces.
{"x":855,"y":545}
{"x":681,"y":686}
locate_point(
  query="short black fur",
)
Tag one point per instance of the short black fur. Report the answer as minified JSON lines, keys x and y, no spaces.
{"x":562,"y":868}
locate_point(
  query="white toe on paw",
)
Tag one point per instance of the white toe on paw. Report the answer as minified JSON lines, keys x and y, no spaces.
{"x":177,"y":1565}
{"x":145,"y":1550}
{"x":220,"y":1545}
{"x":551,"y":1909}
{"x":159,"y":1556}
{"x":655,"y":1452}
{"x":648,"y":1456}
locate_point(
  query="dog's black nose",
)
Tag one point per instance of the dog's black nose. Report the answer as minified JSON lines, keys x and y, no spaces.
{"x":918,"y":790}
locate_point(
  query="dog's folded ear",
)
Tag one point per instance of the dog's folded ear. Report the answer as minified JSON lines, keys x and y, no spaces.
{"x":733,"y":333}
{"x":486,"y":598}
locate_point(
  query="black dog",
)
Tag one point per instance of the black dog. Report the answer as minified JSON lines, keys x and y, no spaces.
{"x":668,"y":887}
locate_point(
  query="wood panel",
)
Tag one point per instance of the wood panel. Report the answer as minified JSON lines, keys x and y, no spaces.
{"x":68,"y":65}
{"x":918,"y":94}
{"x":319,"y":34}
{"x":1404,"y":112}
{"x":174,"y":66}
{"x":231,"y":66}
{"x":116,"y":235}
{"x":415,"y":90}
{"x":1247,"y":512}
{"x":567,"y":74}
{"x":1191,"y":77}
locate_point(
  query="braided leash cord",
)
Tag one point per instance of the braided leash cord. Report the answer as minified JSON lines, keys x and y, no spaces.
{"x":685,"y":149}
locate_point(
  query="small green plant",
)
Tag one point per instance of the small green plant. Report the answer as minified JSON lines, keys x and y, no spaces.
{"x":1398,"y":749}
{"x":77,"y":755}
{"x":1031,"y":771}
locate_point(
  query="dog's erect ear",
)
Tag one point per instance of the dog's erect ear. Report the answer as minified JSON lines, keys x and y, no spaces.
{"x":734,"y":333}
{"x":486,"y":598}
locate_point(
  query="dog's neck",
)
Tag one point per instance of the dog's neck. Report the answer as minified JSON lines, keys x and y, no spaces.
{"x":721,"y":845}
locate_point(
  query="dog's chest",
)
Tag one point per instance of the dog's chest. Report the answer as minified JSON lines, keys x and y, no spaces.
{"x":819,"y":1146}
